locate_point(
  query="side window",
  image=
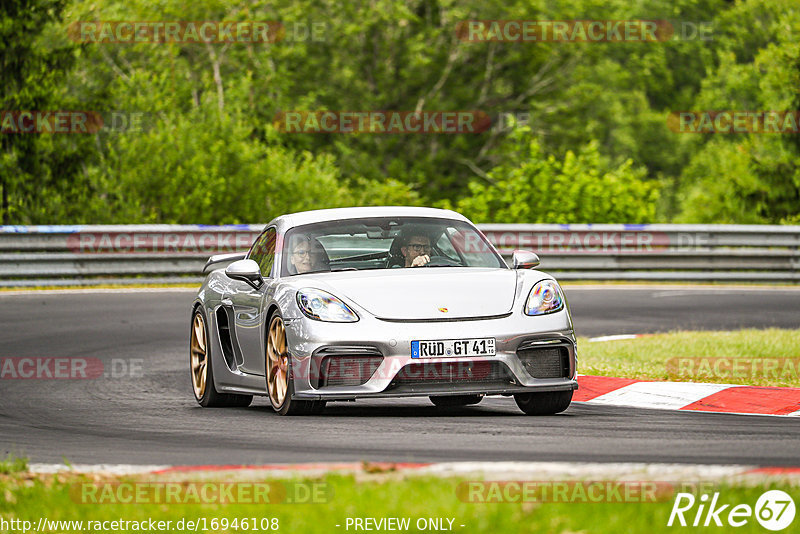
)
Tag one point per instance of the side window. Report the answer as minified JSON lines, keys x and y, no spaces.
{"x":263,"y":251}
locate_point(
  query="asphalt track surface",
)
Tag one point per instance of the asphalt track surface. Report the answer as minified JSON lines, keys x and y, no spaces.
{"x":152,"y":418}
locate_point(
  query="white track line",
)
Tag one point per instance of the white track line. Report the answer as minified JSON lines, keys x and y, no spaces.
{"x":576,"y":470}
{"x":110,"y":469}
{"x":616,"y":337}
{"x":621,"y":471}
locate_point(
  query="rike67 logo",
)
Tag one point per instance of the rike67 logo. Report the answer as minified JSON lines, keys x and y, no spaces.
{"x":774,"y":510}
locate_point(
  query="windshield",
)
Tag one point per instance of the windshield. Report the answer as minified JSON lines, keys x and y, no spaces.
{"x":385,"y":243}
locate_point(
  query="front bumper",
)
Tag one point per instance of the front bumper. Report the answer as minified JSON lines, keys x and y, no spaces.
{"x":398,"y":374}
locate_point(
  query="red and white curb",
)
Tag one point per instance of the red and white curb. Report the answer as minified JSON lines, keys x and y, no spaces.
{"x":485,"y":470}
{"x":688,"y":396}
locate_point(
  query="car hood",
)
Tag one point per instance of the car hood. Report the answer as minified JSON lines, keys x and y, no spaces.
{"x":427,"y":293}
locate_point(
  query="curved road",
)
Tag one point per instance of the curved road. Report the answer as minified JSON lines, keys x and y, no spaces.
{"x":151,"y":417}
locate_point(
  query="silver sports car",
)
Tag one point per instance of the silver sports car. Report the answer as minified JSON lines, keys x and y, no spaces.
{"x":341,"y":304}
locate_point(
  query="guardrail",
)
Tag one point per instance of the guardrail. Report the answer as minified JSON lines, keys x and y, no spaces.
{"x":82,"y":255}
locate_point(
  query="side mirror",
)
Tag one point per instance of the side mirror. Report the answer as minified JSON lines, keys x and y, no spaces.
{"x":245,"y":271}
{"x":524,"y":259}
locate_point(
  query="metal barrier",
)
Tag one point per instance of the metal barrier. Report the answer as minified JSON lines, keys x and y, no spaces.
{"x":83,"y":255}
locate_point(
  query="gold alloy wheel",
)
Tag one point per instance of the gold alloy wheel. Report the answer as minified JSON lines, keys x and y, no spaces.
{"x":198,"y":356}
{"x":277,"y":362}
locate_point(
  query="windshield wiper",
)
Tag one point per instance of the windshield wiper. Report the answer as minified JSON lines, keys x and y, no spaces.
{"x":343,"y":269}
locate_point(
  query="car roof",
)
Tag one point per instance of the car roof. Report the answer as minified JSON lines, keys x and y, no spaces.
{"x":308,"y":217}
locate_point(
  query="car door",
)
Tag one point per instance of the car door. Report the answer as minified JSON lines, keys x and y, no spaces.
{"x":248,"y":304}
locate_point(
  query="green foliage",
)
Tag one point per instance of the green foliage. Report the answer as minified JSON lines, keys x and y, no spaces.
{"x":582,"y":187}
{"x":40,"y":176}
{"x":596,"y":110}
{"x":200,"y":168}
{"x":750,"y":178}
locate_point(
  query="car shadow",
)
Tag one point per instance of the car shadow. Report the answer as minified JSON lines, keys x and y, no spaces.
{"x":396,"y":409}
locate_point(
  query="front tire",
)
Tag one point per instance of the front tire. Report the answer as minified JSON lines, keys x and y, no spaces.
{"x":202,"y":370}
{"x":453,"y":401}
{"x":280,"y":384}
{"x":544,"y":403}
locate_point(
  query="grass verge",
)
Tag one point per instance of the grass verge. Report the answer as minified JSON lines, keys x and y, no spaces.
{"x":29,"y":498}
{"x":13,"y":464}
{"x":753,"y":357}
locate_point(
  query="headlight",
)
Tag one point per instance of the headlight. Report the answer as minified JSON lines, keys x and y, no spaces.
{"x":545,"y":297}
{"x":323,"y":306}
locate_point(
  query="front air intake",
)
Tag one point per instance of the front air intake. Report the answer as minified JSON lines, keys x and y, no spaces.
{"x":346,"y":366}
{"x":545,"y":362}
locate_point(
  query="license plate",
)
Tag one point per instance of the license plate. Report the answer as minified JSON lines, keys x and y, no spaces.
{"x":453,"y":348}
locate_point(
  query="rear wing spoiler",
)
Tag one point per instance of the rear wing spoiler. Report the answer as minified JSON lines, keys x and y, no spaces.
{"x":216,"y":260}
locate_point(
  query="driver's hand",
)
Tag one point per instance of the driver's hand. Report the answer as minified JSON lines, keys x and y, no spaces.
{"x":419,"y":261}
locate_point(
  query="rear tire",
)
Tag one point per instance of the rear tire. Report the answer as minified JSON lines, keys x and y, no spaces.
{"x":280,"y":382}
{"x":453,"y":401}
{"x":545,"y":403}
{"x":202,"y":369}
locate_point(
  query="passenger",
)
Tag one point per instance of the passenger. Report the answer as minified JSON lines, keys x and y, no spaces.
{"x":307,"y":255}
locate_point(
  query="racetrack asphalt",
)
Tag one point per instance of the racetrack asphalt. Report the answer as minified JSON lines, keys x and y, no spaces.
{"x":152,"y":418}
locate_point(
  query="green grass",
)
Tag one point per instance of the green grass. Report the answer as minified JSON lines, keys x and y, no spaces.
{"x":695,"y":357}
{"x":28,"y":497}
{"x":13,"y":464}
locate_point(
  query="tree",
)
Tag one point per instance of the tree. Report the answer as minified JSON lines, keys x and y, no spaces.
{"x":40,"y":174}
{"x":202,"y":168}
{"x":582,"y":187}
{"x":750,"y":177}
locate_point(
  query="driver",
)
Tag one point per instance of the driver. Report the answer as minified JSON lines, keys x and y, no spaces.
{"x":416,"y":250}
